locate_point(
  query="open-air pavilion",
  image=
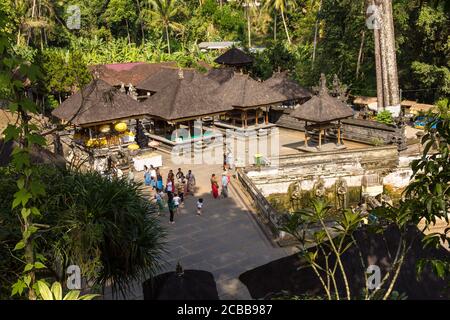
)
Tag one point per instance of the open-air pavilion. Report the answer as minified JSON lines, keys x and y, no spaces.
{"x":94,"y":111}
{"x":234,"y":58}
{"x":250,"y":101}
{"x":321,"y":114}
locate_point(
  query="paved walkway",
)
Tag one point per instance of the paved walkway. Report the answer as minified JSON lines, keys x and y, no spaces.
{"x":225,"y":240}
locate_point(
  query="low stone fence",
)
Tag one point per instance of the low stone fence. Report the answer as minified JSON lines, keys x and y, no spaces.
{"x":266,"y":214}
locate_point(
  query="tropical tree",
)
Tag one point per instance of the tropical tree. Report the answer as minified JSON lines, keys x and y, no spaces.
{"x":281,"y":6}
{"x":164,"y":11}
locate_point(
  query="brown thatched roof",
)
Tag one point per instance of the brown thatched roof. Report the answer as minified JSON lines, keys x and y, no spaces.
{"x":98,"y":102}
{"x":162,"y":78}
{"x":244,"y":92}
{"x":323,"y":107}
{"x":234,"y":57}
{"x":281,"y":82}
{"x":220,"y":75}
{"x":118,"y":73}
{"x":181,"y":94}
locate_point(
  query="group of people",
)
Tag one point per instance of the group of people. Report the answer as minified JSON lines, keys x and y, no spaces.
{"x":178,"y":185}
{"x":176,"y":188}
{"x":225,"y":181}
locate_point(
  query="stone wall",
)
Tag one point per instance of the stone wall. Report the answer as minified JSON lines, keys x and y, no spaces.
{"x":306,"y":169}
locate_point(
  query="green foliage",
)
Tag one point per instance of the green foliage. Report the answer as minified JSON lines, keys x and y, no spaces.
{"x":55,"y":293}
{"x":385,"y":117}
{"x":65,"y":71}
{"x":105,"y":227}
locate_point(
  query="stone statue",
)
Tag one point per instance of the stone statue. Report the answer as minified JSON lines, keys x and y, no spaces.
{"x":295,"y":194}
{"x":341,"y":193}
{"x":132,"y":91}
{"x":319,"y":188}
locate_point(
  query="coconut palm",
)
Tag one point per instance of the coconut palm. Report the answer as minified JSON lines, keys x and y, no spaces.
{"x":163,"y":11}
{"x":281,"y":6}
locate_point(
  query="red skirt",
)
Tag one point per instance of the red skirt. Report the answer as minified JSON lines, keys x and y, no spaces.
{"x":215,"y":190}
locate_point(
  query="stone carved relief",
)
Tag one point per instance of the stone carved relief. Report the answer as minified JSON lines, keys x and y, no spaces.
{"x":319,"y":188}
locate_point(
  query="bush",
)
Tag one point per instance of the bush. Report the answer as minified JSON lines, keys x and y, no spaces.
{"x":105,"y":227}
{"x":385,"y":117}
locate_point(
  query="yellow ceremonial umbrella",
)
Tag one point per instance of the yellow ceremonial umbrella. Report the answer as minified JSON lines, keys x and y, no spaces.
{"x":120,"y":127}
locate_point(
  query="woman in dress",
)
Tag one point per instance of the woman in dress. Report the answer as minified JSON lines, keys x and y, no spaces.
{"x":190,"y":185}
{"x":159,"y":181}
{"x":214,"y":186}
{"x":147,"y":177}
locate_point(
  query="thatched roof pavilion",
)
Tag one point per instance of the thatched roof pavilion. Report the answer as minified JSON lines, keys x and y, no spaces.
{"x":98,"y":103}
{"x":244,"y":94}
{"x":322,"y":110}
{"x":234,"y":58}
{"x":181,"y":95}
{"x":281,"y":83}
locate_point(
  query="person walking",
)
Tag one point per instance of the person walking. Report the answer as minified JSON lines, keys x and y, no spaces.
{"x":214,"y":186}
{"x":199,"y":206}
{"x":176,"y":202}
{"x":180,"y":187}
{"x":152,"y":172}
{"x":159,"y":181}
{"x":147,"y":177}
{"x":225,"y":184}
{"x":159,"y":202}
{"x":190,"y":183}
{"x":171,"y":205}
{"x":179,"y":174}
{"x":170,"y":186}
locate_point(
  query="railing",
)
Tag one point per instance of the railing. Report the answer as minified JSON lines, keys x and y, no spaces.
{"x":267,"y":214}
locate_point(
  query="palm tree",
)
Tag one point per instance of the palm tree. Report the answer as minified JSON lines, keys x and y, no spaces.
{"x":281,"y":6}
{"x":164,"y":11}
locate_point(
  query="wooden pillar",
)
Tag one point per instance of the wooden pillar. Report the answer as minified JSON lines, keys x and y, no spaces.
{"x":190,"y":128}
{"x":245,"y":119}
{"x":267,"y":115}
{"x":339,"y":132}
{"x":306,"y":134}
{"x":256,"y":116}
{"x":325,"y":135}
{"x":320,"y":138}
{"x":242,"y":119}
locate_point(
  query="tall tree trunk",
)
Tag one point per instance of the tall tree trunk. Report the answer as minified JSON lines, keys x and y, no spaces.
{"x":391,"y":56}
{"x":140,"y":21}
{"x":30,"y":30}
{"x":275,"y":27}
{"x":386,"y":60}
{"x":285,"y":26}
{"x":249,"y":26}
{"x":128,"y":32}
{"x":316,"y":31}
{"x":167,"y":38}
{"x":379,"y":71}
{"x":361,"y":47}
